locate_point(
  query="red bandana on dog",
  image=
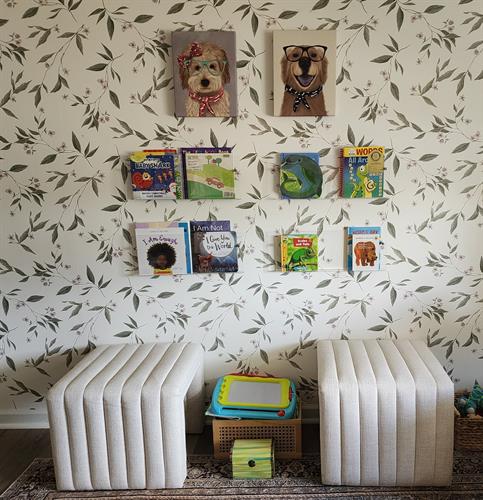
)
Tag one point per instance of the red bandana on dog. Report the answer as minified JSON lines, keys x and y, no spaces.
{"x":195,"y":51}
{"x":206,"y":100}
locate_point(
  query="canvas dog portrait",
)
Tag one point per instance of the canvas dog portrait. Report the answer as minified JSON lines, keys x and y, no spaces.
{"x":204,"y":73}
{"x":304,"y":73}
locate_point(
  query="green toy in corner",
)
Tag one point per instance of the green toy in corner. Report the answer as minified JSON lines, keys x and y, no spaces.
{"x":471,"y":405}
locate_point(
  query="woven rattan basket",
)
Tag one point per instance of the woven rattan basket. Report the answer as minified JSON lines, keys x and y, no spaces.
{"x":468,"y":433}
{"x":286,"y":435}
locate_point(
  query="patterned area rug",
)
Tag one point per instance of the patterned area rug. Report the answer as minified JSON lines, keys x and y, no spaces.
{"x":294,"y":480}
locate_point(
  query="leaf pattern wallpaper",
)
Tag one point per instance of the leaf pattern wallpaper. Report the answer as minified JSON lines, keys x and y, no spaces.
{"x":84,"y":83}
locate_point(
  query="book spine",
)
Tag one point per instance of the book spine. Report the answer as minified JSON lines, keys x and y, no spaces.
{"x":341,"y":172}
{"x":283,"y":254}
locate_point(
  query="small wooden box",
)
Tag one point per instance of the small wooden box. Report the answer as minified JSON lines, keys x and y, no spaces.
{"x":286,"y":435}
{"x":252,"y":459}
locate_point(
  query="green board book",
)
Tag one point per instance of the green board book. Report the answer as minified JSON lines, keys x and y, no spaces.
{"x":299,"y":252}
{"x":300,"y":176}
{"x":210,"y":176}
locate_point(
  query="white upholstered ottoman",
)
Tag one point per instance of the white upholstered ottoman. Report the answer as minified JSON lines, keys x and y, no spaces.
{"x":386,"y":414}
{"x":117,"y":419}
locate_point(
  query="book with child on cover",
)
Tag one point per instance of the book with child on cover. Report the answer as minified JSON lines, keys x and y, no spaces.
{"x":162,"y":249}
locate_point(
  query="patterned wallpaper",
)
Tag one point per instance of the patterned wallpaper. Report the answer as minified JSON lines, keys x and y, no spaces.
{"x":84,"y":83}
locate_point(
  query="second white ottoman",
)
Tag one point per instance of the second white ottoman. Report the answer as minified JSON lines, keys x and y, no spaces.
{"x":386,"y":414}
{"x":117,"y":419}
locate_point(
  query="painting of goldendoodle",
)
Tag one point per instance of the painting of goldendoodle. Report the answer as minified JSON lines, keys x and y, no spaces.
{"x":204,"y":73}
{"x":304,"y":72}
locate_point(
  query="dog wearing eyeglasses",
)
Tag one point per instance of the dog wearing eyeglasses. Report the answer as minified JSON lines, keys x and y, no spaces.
{"x":304,"y":80}
{"x":204,"y":72}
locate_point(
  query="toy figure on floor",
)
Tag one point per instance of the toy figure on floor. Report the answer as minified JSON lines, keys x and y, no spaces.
{"x":471,"y":405}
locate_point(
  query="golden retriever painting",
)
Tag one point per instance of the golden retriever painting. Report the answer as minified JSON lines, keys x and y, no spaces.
{"x":205,"y":86}
{"x":306,"y":65}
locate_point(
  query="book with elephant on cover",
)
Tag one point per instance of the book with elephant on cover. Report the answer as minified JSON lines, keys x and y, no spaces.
{"x":364,"y":248}
{"x":362,"y":172}
{"x":299,"y":252}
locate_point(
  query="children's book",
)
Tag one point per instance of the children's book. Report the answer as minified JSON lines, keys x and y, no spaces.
{"x":214,"y":247}
{"x":209,"y":175}
{"x":178,"y":171}
{"x":300,"y":175}
{"x":362,"y":172}
{"x":364,"y":248}
{"x":154,"y":174}
{"x":163,"y":249}
{"x":203,"y":226}
{"x":299,"y":252}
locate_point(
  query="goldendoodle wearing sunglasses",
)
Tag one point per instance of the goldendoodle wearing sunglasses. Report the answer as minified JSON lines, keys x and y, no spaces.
{"x":204,"y":72}
{"x":304,"y":73}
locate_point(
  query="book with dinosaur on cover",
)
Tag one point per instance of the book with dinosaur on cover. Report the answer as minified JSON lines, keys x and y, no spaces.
{"x":300,"y":175}
{"x":362,"y":172}
{"x":209,"y":175}
{"x":213,"y":247}
{"x":364,"y":248}
{"x":155,"y":174}
{"x":162,"y":249}
{"x":299,"y":252}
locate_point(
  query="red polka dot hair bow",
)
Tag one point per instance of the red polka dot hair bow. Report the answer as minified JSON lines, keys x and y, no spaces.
{"x":195,"y":51}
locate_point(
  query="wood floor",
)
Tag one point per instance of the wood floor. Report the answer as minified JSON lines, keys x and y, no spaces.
{"x":20,"y":446}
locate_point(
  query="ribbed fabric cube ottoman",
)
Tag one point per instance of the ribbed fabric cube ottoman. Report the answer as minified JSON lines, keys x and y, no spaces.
{"x":117,"y":419}
{"x":386,"y":414}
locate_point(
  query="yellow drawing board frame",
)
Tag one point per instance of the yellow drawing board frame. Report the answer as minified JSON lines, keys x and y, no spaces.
{"x":229,"y":380}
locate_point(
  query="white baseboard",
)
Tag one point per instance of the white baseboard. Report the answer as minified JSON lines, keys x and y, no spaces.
{"x":310,"y":415}
{"x":24,"y":421}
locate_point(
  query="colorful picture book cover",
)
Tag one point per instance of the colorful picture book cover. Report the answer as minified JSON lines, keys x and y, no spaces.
{"x":209,"y":175}
{"x":213,"y":247}
{"x":184,"y":151}
{"x":299,"y":252}
{"x":300,"y":175}
{"x":364,"y":248}
{"x":362,"y":172}
{"x":162,"y":250}
{"x":153,"y":174}
{"x":178,"y":171}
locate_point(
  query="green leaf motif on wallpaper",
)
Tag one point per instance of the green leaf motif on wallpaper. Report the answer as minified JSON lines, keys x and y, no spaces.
{"x":90,"y":82}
